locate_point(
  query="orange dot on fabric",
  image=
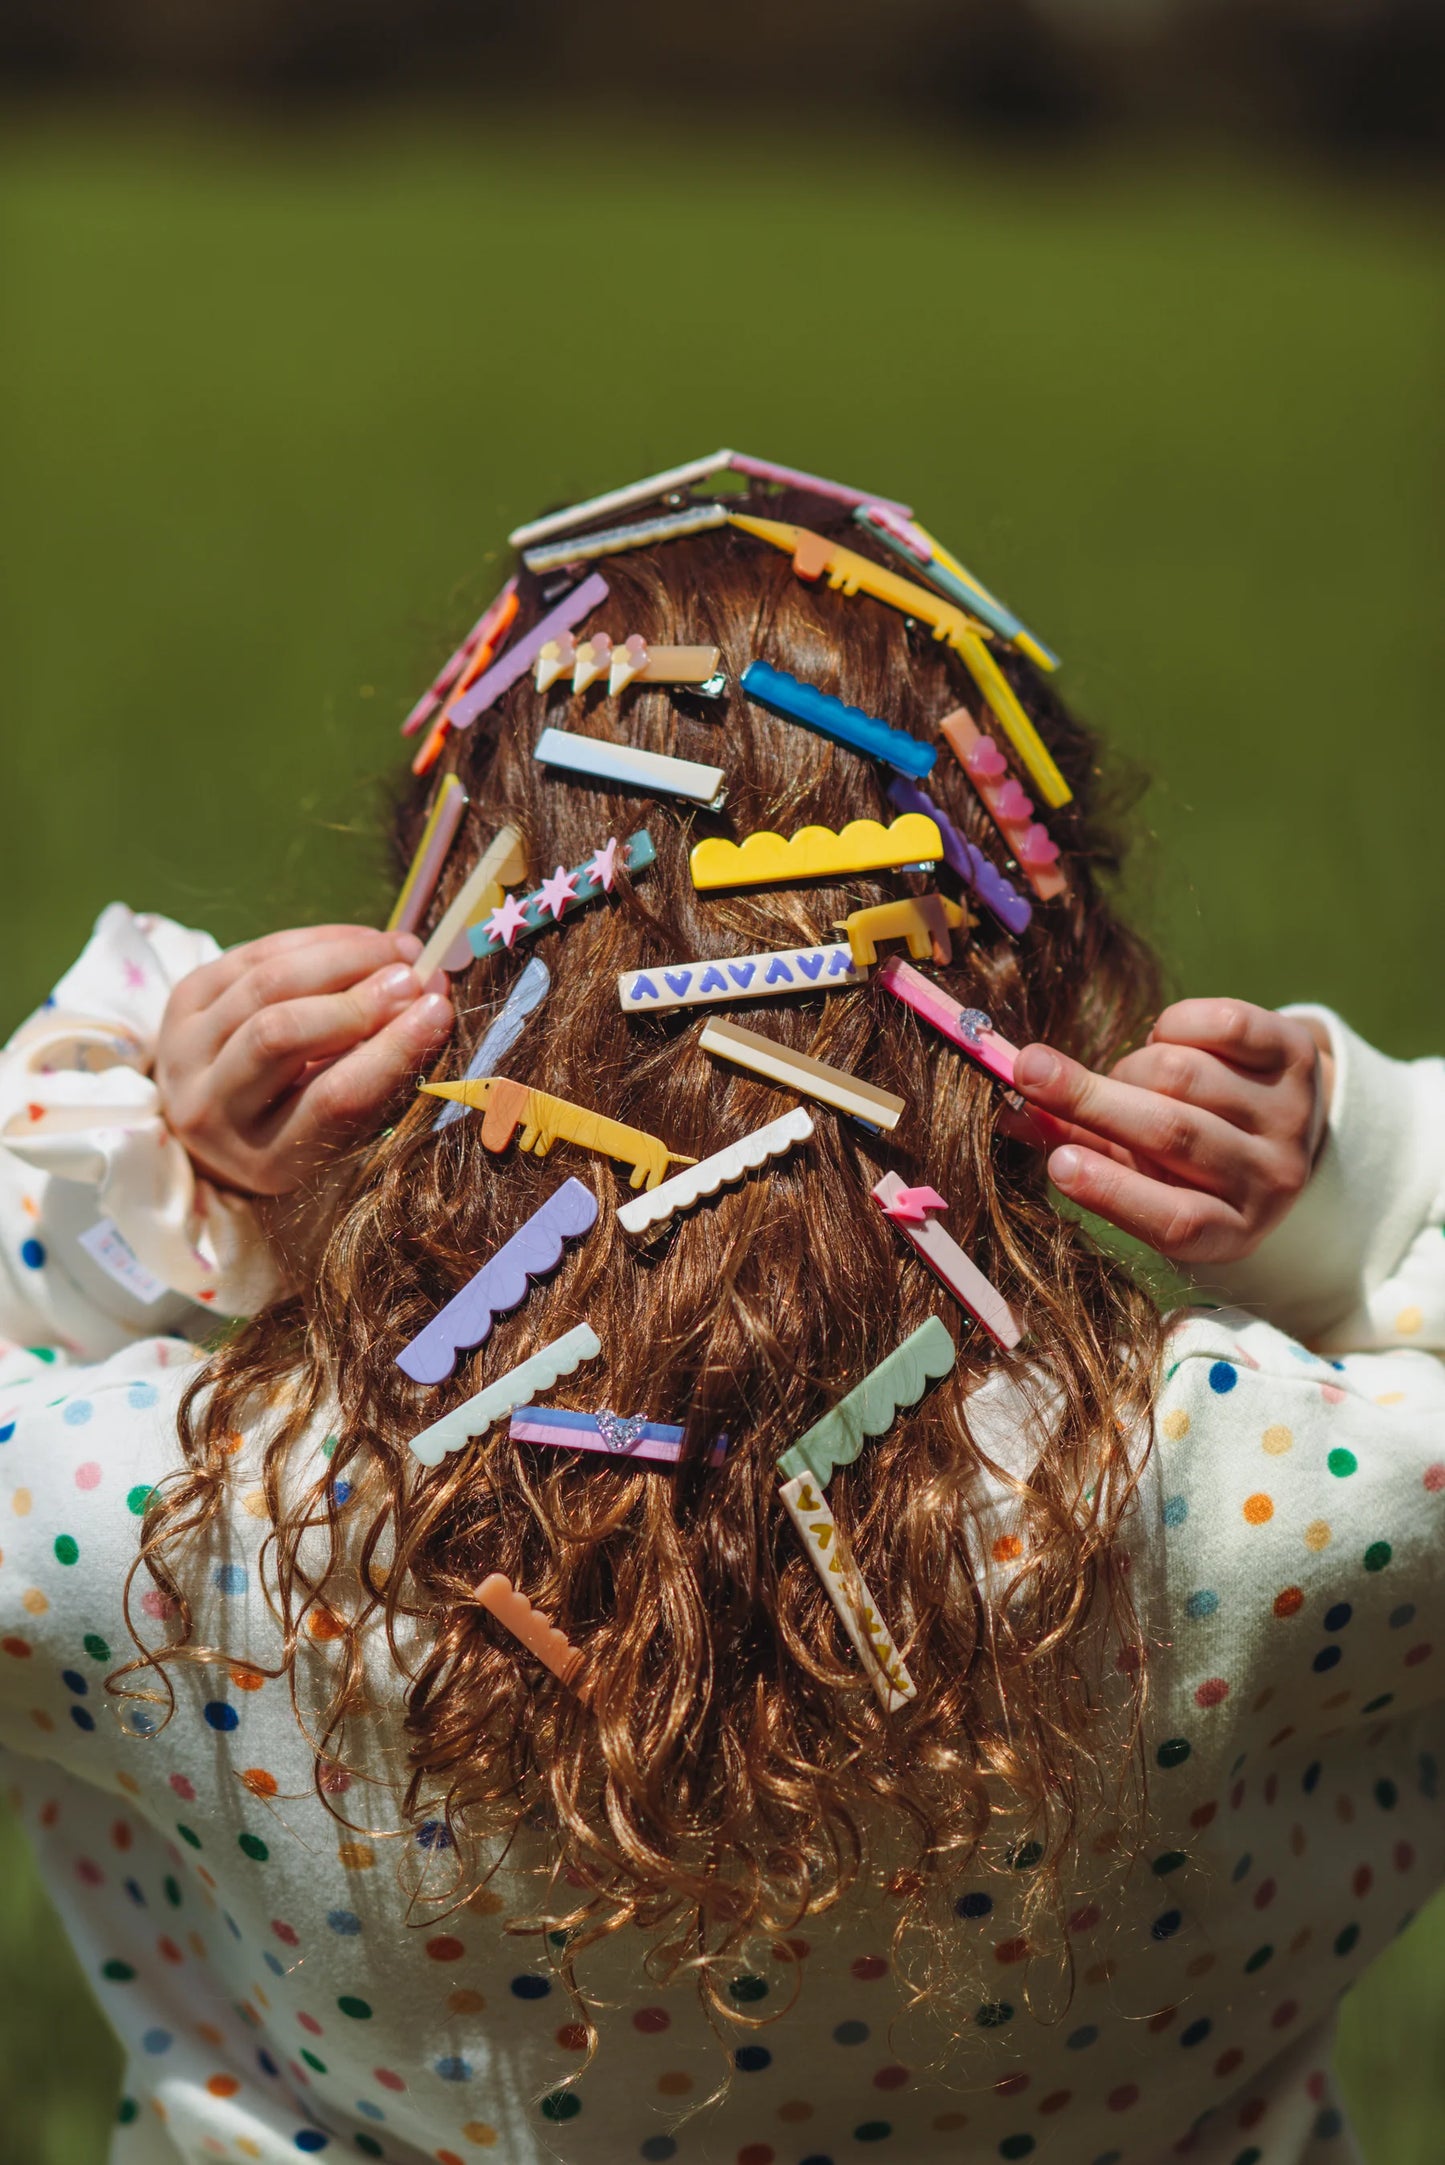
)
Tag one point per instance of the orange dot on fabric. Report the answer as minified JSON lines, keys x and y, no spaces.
{"x":128,"y":1783}
{"x":355,"y":1856}
{"x":479,"y":2132}
{"x":1007,"y":1548}
{"x":449,"y":2157}
{"x":790,"y":1950}
{"x":1259,"y":1508}
{"x":756,"y":2153}
{"x":1201,"y":1965}
{"x":572,"y":2037}
{"x":1289,"y":1601}
{"x":1317,"y":1535}
{"x":652,"y":2020}
{"x":1408,"y":1321}
{"x":209,"y":2034}
{"x":1011,"y":1950}
{"x":466,"y":2002}
{"x":259,"y":1782}
{"x":869,"y":1968}
{"x":1055,"y":2101}
{"x":445,"y":1949}
{"x":253,"y":1503}
{"x":1010,"y":2085}
{"x":20,"y":1503}
{"x":41,"y":1719}
{"x":1434,"y":1479}
{"x":167,"y":1949}
{"x":794,"y":2110}
{"x":674,"y":2084}
{"x":325,"y":1624}
{"x":222,"y":2085}
{"x":34,"y":1602}
{"x":246,"y":1679}
{"x":1176,"y":1425}
{"x":483,"y":1903}
{"x":1277,"y":1440}
{"x":949,"y":2123}
{"x":1101,"y":1973}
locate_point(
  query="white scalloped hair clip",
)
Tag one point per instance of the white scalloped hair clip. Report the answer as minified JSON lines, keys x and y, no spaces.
{"x":655,"y":1206}
{"x":518,"y":1387}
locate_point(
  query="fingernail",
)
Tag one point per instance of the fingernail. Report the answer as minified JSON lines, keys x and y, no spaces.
{"x":1064,"y":1166}
{"x":1035,"y":1068}
{"x":434,"y":1011}
{"x":398,"y":984}
{"x":407,"y":945}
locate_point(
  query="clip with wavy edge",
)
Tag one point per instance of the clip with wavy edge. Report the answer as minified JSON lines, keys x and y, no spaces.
{"x":536,"y":1632}
{"x":899,"y":1380}
{"x":516,"y":1388}
{"x":631,"y":767}
{"x":829,"y":968}
{"x":1010,"y":810}
{"x":846,"y":1588}
{"x":519,"y":657}
{"x":613,"y":540}
{"x":545,"y":1120}
{"x":655,"y":1206}
{"x":1013,"y":910}
{"x":442,"y":821}
{"x":815,"y":853}
{"x":557,"y":897}
{"x":926,"y":922}
{"x":799,"y":1071}
{"x":835,"y":719}
{"x":909,"y":1208}
{"x":533,"y":1250}
{"x":502,"y":864}
{"x":530,"y":990}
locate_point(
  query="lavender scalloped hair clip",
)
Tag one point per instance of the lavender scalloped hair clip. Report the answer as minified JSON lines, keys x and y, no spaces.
{"x":533,"y":1250}
{"x":1013,"y":910}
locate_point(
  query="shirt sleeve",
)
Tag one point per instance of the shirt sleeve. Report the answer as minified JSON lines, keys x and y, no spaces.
{"x":106,"y":1232}
{"x":1353,"y":1265}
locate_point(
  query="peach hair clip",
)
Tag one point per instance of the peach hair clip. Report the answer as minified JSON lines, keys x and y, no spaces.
{"x":536,"y":1632}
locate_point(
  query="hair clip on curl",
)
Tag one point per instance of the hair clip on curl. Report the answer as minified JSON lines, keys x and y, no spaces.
{"x":545,"y":1120}
{"x":501,"y":1284}
{"x":909,"y":1210}
{"x":564,"y":892}
{"x":798,"y":1071}
{"x":516,"y":1388}
{"x":630,"y":661}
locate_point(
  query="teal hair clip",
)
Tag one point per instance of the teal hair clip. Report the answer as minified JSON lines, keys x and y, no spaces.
{"x":918,"y":548}
{"x":900,"y":1380}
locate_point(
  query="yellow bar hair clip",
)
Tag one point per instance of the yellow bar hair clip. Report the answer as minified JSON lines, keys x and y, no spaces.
{"x":816,"y":853}
{"x":546,"y":1120}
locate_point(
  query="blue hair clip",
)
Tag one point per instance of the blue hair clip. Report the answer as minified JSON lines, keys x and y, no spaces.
{"x":834,"y":718}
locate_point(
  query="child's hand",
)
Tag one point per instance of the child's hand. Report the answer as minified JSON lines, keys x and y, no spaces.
{"x":1199,"y":1142}
{"x":281,"y":1050}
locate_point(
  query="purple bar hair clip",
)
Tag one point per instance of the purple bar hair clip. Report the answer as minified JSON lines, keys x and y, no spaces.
{"x":533,"y":1250}
{"x":633,"y":1438}
{"x":1013,"y":910}
{"x":522,"y":653}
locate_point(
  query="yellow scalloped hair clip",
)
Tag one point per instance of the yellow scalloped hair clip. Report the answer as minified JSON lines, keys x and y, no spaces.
{"x":815,"y":853}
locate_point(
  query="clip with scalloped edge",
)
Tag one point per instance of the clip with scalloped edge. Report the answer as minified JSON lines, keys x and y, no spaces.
{"x":832,"y":1558}
{"x":1013,"y":910}
{"x":442,"y":821}
{"x":516,"y":1388}
{"x":501,"y":1283}
{"x":502,"y":864}
{"x":545,"y":1120}
{"x":872,"y":1406}
{"x":835,"y":719}
{"x":536,"y":1632}
{"x":631,"y":767}
{"x":1010,"y":810}
{"x":564,"y":892}
{"x":815,"y":853}
{"x":926,"y":922}
{"x":655,"y":1206}
{"x":799,"y":1071}
{"x":613,"y":540}
{"x":829,"y":968}
{"x":908,"y":1208}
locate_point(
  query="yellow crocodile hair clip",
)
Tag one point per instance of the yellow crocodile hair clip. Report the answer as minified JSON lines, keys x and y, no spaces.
{"x":545,"y":1120}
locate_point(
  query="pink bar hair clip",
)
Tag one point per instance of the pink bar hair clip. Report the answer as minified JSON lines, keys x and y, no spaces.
{"x":1010,"y":809}
{"x":659,"y":1442}
{"x":968,"y":1028}
{"x":908,"y":1208}
{"x":437,"y":835}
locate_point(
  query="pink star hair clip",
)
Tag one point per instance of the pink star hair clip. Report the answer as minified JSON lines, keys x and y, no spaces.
{"x":564,"y":892}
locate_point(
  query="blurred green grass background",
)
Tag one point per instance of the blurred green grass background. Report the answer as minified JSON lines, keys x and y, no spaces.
{"x":268,"y":404}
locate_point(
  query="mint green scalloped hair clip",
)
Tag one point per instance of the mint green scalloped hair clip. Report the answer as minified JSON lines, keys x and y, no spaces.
{"x":899,"y":1380}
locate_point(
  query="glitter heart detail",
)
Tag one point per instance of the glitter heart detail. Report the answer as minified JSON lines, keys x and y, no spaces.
{"x":617,"y":1434}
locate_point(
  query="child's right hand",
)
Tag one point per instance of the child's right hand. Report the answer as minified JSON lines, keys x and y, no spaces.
{"x":1199,"y":1142}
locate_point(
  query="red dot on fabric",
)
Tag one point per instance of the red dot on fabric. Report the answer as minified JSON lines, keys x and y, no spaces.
{"x":1162,"y":2020}
{"x":756,"y":2153}
{"x":1055,"y":2101}
{"x":1315,"y":2087}
{"x":168,"y":1951}
{"x":387,"y":2079}
{"x":790,"y":1950}
{"x":1202,"y":1814}
{"x":310,"y":2024}
{"x":572,"y":2037}
{"x":183,"y":1788}
{"x":445,"y":1949}
{"x":1212,"y":1692}
{"x":88,"y":1475}
{"x":868,"y":1968}
{"x":17,"y":1649}
{"x":1251,"y":2113}
{"x":1011,"y":1950}
{"x":1236,"y":1796}
{"x":122,"y":1833}
{"x":89,"y":1872}
{"x":1435,"y":1478}
{"x":1363,"y":1880}
{"x":1403,"y":1856}
{"x":1085,"y":1919}
{"x":1010,"y":2085}
{"x":1416,"y":1655}
{"x":652,"y":2021}
{"x":1283,"y":2015}
{"x":286,"y":1933}
{"x":893,"y":2078}
{"x":449,"y":2157}
{"x":1121,"y":2099}
{"x":1228,"y":2062}
{"x":49,"y":1812}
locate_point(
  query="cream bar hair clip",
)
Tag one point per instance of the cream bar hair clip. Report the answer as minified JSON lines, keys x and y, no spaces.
{"x":518,"y":1387}
{"x":502,"y":864}
{"x":908,"y":1208}
{"x":655,"y":1206}
{"x":646,"y":772}
{"x":437,"y":836}
{"x":738,"y":977}
{"x":797,"y":1071}
{"x":831,"y":1557}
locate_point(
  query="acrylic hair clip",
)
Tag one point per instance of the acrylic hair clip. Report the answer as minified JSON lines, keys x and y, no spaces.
{"x":495,"y":629}
{"x":832,"y":1558}
{"x":868,"y":1410}
{"x":815,"y":853}
{"x":918,"y":546}
{"x":630,"y":661}
{"x":738,"y":977}
{"x":1013,"y":910}
{"x":437,"y":836}
{"x":516,"y":1388}
{"x":926,"y":922}
{"x":520,"y":656}
{"x":1011,"y":811}
{"x":633,"y":1438}
{"x":908,"y":1208}
{"x":536,"y":1632}
{"x":502,"y":864}
{"x":798,"y":1071}
{"x":487,"y":631}
{"x":746,"y":1155}
{"x":632,"y":768}
{"x":613,"y":540}
{"x":636,"y":492}
{"x":564,"y":892}
{"x":530,"y":990}
{"x":813,"y":556}
{"x":791,"y":477}
{"x":972,"y":1031}
{"x":834,"y":718}
{"x":533,"y":1250}
{"x":545,"y":1120}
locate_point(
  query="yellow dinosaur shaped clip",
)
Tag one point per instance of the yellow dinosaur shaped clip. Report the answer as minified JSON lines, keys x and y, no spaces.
{"x":925,"y":921}
{"x":546,"y":1120}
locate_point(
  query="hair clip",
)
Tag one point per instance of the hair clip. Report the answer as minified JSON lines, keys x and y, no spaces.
{"x":545,"y":1120}
{"x":529,"y":992}
{"x":519,"y":1385}
{"x":832,"y":1559}
{"x":533,"y":1250}
{"x":519,"y":657}
{"x":629,"y":661}
{"x":487,"y":631}
{"x":798,"y":1071}
{"x":925,"y":921}
{"x":1013,"y":910}
{"x":442,"y":821}
{"x":634,"y":1438}
{"x":871,"y":1407}
{"x":1008,"y":807}
{"x":562,"y":893}
{"x":613,"y":540}
{"x":502,"y":864}
{"x":815,"y":853}
{"x":731,"y":977}
{"x":919,"y":547}
{"x":632,"y":767}
{"x":494,"y":629}
{"x":813,"y":555}
{"x":636,"y":492}
{"x":909,"y":1208}
{"x":973,"y":1032}
{"x":791,"y":477}
{"x":536,"y":1632}
{"x":834,"y":718}
{"x":746,"y":1155}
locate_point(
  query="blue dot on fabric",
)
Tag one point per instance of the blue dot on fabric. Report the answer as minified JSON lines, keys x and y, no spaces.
{"x":1110,"y":2157}
{"x":1204,"y":1603}
{"x":311,"y":2138}
{"x":341,"y":1491}
{"x":1337,"y":1617}
{"x":1387,"y":1796}
{"x":141,"y":1395}
{"x":222,"y":1715}
{"x":851,"y":2033}
{"x":875,"y":2131}
{"x":1399,"y":1618}
{"x":157,"y":2041}
{"x":1176,"y":1510}
{"x":7,"y":1431}
{"x":229,"y":1578}
{"x":1373,"y":1706}
{"x":1328,"y":1657}
{"x":1309,"y":1780}
{"x":83,"y":1718}
{"x":433,"y":1834}
{"x":74,"y":1681}
{"x":344,"y":1921}
{"x":530,"y":1987}
{"x":77,"y":1413}
{"x":368,"y":2110}
{"x":1079,"y":2040}
{"x":267,"y":2065}
{"x":752,"y":2059}
{"x":141,"y":1721}
{"x":231,"y":1925}
{"x":658,"y":2149}
{"x":32,"y":1254}
{"x":273,"y":1963}
{"x":1328,"y":2124}
{"x":1223,"y":1376}
{"x":1165,"y":1926}
{"x":136,"y":1892}
{"x":1242,"y":1869}
{"x":1196,"y":2032}
{"x":974,"y":1905}
{"x":453,"y":2069}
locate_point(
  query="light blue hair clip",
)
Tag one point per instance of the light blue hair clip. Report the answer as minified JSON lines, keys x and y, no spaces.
{"x":530,"y":990}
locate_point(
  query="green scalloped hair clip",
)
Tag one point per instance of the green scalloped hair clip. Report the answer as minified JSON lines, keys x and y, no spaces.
{"x":900,"y":1380}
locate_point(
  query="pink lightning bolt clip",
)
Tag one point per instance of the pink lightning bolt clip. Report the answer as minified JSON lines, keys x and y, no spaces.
{"x":909,"y":1208}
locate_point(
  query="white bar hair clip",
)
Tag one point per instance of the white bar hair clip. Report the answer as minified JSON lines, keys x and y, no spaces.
{"x":685,"y":1189}
{"x":518,"y":1387}
{"x":830,"y":968}
{"x":646,"y":772}
{"x":630,"y":661}
{"x":582,"y":548}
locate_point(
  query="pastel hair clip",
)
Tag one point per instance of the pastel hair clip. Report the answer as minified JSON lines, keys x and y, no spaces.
{"x":633,"y":1438}
{"x":564,"y":892}
{"x":815,"y":853}
{"x":519,"y":657}
{"x":834,"y":718}
{"x":442,"y":821}
{"x":1013,"y":910}
{"x":501,"y":1283}
{"x":827,"y":1549}
{"x":792,"y":477}
{"x":798,"y":1071}
{"x":631,"y":767}
{"x":675,"y":478}
{"x":528,"y":993}
{"x":654,"y":1207}
{"x":630,"y":661}
{"x":813,"y":556}
{"x":516,"y":1388}
{"x":1011,"y":811}
{"x":872,"y":1406}
{"x":545,"y":1120}
{"x":496,"y":629}
{"x":926,"y":922}
{"x":738,"y":977}
{"x":916,"y":544}
{"x":488,"y":630}
{"x":502,"y":864}
{"x":535,"y":1631}
{"x":613,"y":540}
{"x":908,"y":1208}
{"x":971,"y":1030}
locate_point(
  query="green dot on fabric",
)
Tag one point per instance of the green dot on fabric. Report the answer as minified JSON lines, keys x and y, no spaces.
{"x":126,"y":2111}
{"x":1341,"y":1462}
{"x":96,"y":1646}
{"x":747,"y":1989}
{"x":67,"y":1549}
{"x":118,"y":1973}
{"x":172,"y":1887}
{"x":369,"y":2145}
{"x":312,"y":2061}
{"x":1377,"y":1555}
{"x":252,"y":1846}
{"x":188,"y":1834}
{"x":359,"y":2010}
{"x":41,"y":1353}
{"x":329,"y":1447}
{"x":561,"y":2105}
{"x":138,"y":1498}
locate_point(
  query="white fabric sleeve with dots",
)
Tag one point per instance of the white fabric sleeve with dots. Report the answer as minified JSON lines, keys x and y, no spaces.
{"x":1344,"y":1270}
{"x":106,"y":1232}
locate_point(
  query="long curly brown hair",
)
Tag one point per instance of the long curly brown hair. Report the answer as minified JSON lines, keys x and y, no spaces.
{"x":726,"y":1767}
